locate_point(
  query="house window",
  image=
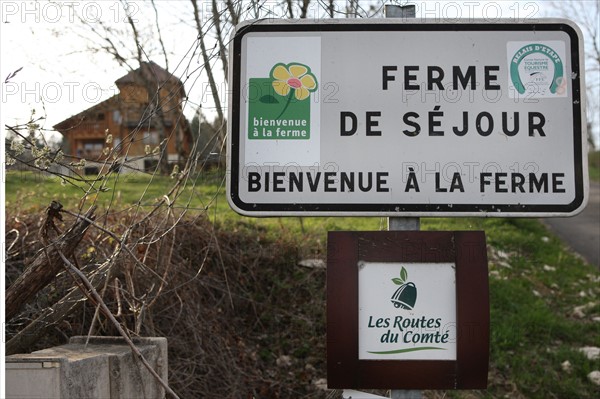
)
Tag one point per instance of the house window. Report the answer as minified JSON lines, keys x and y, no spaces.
{"x":91,"y":170}
{"x":151,"y":138}
{"x":93,"y":145}
{"x":150,"y":165}
{"x":100,"y":116}
{"x":92,"y":148}
{"x":117,"y":116}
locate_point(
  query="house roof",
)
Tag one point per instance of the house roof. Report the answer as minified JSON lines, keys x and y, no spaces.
{"x":72,"y":121}
{"x":151,"y":71}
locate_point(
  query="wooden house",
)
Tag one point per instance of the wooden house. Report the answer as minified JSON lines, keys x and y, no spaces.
{"x":144,"y":120}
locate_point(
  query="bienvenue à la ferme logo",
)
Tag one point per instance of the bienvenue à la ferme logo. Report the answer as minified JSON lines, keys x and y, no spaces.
{"x":281,"y":109}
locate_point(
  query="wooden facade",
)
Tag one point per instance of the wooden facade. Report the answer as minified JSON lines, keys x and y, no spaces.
{"x":147,"y":112}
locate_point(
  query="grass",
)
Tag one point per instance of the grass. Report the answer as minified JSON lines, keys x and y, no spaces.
{"x":594,"y":165}
{"x":536,"y":284}
{"x":534,"y":328}
{"x":31,"y":191}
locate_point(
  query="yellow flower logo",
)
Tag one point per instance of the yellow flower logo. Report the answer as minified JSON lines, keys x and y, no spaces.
{"x":295,"y":79}
{"x":283,"y":95}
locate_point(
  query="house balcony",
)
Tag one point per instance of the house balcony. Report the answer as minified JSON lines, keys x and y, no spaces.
{"x":152,"y":123}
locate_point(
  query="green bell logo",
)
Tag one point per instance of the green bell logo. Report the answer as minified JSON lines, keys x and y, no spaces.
{"x":406,"y":295}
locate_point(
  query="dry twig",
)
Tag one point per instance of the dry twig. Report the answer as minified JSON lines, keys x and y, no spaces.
{"x":47,"y":263}
{"x":93,"y":295}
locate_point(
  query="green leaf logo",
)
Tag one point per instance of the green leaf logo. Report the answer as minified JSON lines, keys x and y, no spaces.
{"x":267,"y":99}
{"x":403,"y":277}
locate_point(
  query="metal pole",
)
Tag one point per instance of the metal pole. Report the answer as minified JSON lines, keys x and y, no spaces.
{"x":394,"y":11}
{"x":398,"y":223}
{"x":400,"y":394}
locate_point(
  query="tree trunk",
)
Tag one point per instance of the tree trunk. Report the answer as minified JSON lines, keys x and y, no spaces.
{"x":207,"y":67}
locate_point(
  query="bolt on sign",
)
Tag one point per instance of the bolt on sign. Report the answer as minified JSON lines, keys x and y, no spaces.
{"x":407,"y":310}
{"x":380,"y":117}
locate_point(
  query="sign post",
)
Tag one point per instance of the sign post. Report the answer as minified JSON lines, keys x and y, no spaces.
{"x":396,"y":223}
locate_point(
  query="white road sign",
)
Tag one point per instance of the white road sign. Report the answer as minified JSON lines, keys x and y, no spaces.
{"x":399,"y":118}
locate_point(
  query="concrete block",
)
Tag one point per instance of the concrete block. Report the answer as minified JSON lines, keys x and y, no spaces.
{"x":105,"y":368}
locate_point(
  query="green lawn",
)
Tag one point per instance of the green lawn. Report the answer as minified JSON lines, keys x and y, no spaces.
{"x":594,"y":162}
{"x":535,"y":286}
{"x":535,"y":283}
{"x":30,"y":191}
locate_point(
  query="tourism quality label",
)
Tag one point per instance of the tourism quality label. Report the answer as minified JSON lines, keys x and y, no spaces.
{"x":537,"y":69}
{"x":281,"y":125}
{"x":407,"y":311}
{"x":282,"y":110}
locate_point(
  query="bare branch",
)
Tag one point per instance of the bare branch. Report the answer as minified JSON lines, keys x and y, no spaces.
{"x":234,"y":12}
{"x":12,"y":75}
{"x":207,"y":66}
{"x":160,"y":39}
{"x":47,"y":264}
{"x":222,"y":48}
{"x":93,"y":294}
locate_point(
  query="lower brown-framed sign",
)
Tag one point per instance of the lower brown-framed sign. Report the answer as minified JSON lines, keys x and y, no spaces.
{"x":407,"y":310}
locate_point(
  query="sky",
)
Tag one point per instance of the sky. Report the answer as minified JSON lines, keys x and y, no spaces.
{"x":62,"y":74}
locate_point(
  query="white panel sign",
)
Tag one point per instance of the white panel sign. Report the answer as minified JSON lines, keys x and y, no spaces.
{"x":407,"y":119}
{"x":407,"y":311}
